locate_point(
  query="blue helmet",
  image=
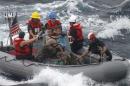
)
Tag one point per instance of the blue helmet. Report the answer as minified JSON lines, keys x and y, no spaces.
{"x":52,"y":15}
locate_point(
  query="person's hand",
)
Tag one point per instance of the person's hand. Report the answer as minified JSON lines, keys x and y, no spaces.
{"x":102,"y":53}
{"x":79,"y":58}
{"x":34,"y":36}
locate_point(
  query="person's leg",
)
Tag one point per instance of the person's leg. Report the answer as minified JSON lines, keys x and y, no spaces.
{"x":20,"y":57}
{"x":73,"y":47}
{"x":31,"y":47}
{"x":109,"y":55}
{"x":30,"y":57}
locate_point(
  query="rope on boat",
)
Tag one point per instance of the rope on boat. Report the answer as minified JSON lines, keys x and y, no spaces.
{"x":5,"y":58}
{"x":27,"y":65}
{"x":23,"y":61}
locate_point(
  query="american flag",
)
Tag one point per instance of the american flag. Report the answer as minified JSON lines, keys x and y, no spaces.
{"x":15,"y":29}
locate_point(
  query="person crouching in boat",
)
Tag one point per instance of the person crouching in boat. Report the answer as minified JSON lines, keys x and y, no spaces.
{"x":75,"y":35}
{"x":53,"y":26}
{"x":22,"y":48}
{"x":51,"y":52}
{"x":96,"y":46}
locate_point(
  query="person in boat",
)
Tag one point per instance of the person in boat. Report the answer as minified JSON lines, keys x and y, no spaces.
{"x":97,"y":47}
{"x":22,"y":48}
{"x":53,"y":26}
{"x":75,"y":35}
{"x":35,"y":27}
{"x":51,"y":51}
{"x":54,"y":53}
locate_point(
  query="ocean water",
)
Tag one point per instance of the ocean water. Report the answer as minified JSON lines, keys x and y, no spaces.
{"x":109,"y":19}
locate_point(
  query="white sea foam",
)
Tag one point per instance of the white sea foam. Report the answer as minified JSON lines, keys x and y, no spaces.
{"x":4,"y":81}
{"x":54,"y":77}
{"x":66,"y":8}
{"x":112,"y":29}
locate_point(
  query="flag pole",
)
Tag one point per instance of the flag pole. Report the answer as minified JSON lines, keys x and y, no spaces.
{"x":9,"y":16}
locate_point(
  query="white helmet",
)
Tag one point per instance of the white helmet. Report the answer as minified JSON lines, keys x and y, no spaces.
{"x":72,"y":18}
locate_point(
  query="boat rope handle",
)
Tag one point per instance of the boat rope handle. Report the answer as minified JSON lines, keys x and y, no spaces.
{"x":5,"y":58}
{"x":23,"y":62}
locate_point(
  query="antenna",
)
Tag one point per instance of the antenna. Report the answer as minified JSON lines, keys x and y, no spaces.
{"x":9,"y":13}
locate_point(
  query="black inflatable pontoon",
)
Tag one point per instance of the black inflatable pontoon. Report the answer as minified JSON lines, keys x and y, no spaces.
{"x":106,"y":72}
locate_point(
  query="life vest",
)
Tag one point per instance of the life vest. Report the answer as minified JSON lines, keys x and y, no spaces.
{"x":36,"y":27}
{"x":25,"y":50}
{"x":78,"y":28}
{"x":53,"y":25}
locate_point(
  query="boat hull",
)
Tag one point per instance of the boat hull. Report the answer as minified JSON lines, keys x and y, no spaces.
{"x":103,"y":72}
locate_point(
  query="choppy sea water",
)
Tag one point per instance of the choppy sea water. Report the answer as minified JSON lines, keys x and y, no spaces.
{"x":107,"y":18}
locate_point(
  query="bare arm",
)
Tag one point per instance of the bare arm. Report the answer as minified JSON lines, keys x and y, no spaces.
{"x":103,"y":50}
{"x":31,"y":33}
{"x":28,"y":41}
{"x":60,"y":48}
{"x":86,"y":53}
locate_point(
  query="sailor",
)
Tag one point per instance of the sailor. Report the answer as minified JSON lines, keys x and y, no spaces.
{"x":34,"y":28}
{"x":34,"y":25}
{"x":75,"y":34}
{"x":52,"y":50}
{"x":53,"y":26}
{"x":22,"y":47}
{"x":96,"y":46}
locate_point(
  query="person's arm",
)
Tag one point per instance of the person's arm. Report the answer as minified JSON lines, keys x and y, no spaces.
{"x":60,"y":26}
{"x":102,"y":47}
{"x":86,"y":53}
{"x":73,"y":34}
{"x":43,"y":28}
{"x":103,"y":50}
{"x":60,"y":48}
{"x":28,"y":41}
{"x":30,"y":31}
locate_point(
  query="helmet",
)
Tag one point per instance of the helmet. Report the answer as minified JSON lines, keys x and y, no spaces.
{"x":36,"y":15}
{"x":91,"y":36}
{"x":21,"y":34}
{"x":52,"y":15}
{"x":51,"y":41}
{"x":72,"y":18}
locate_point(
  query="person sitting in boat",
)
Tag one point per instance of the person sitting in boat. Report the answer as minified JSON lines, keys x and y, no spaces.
{"x":53,"y":26}
{"x":51,"y":51}
{"x":75,"y":34}
{"x":96,"y":46}
{"x":22,"y":48}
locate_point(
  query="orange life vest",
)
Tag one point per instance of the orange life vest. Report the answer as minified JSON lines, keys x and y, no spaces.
{"x":25,"y":50}
{"x":53,"y":25}
{"x":36,"y":27}
{"x":78,"y":28}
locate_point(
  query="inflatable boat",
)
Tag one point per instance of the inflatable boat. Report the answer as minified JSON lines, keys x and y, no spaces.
{"x":104,"y":72}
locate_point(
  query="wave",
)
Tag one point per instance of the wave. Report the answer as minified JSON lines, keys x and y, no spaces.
{"x":5,"y":81}
{"x":53,"y":77}
{"x":29,"y":1}
{"x":116,"y":27}
{"x":67,"y":8}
